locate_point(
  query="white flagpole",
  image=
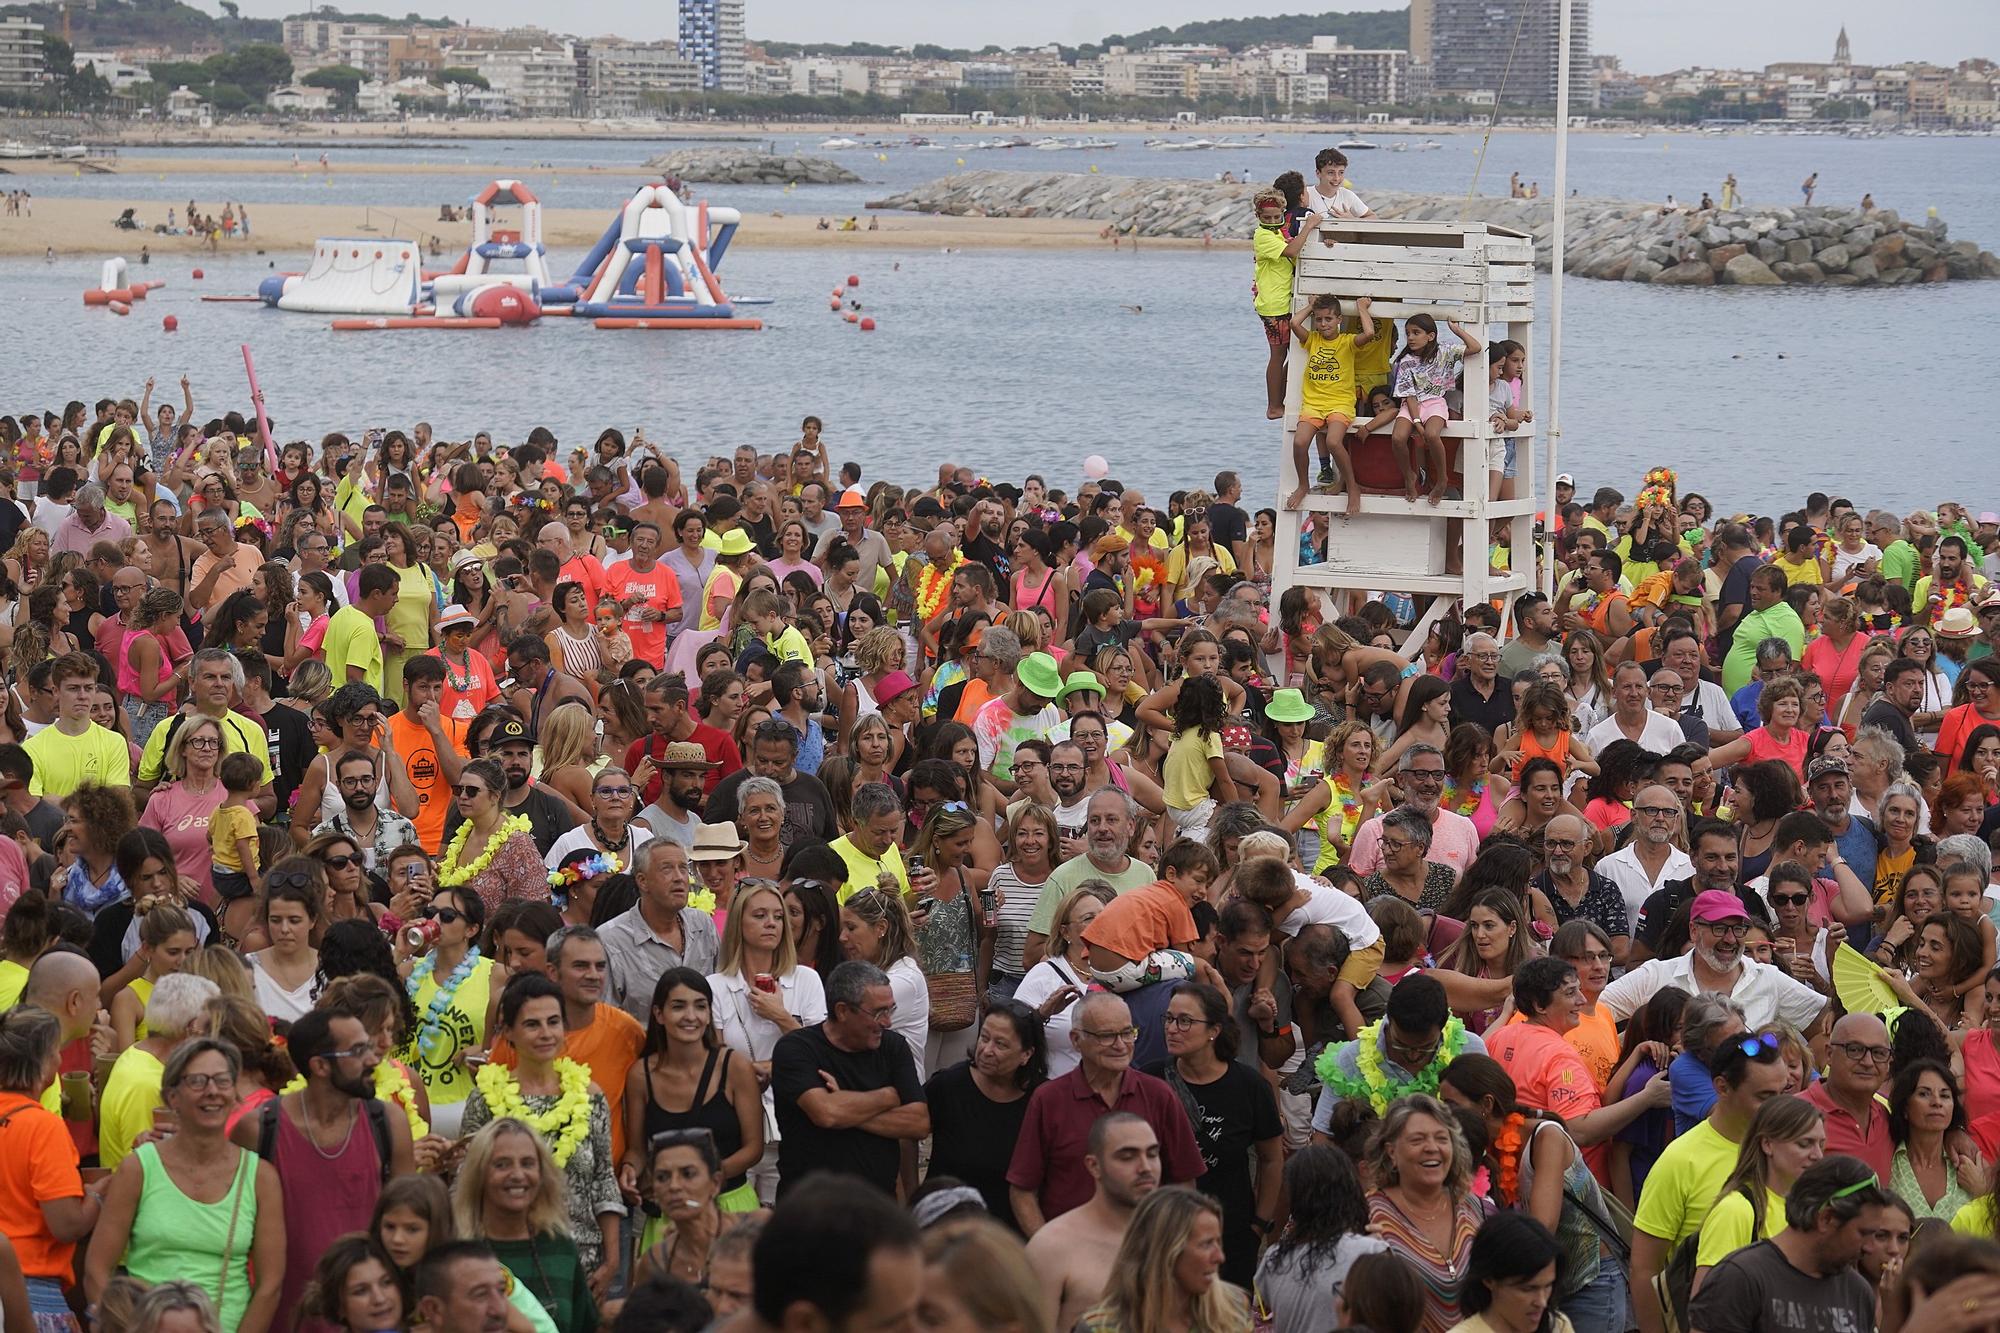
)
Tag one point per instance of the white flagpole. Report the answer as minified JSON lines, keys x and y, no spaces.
{"x":1561,"y":206}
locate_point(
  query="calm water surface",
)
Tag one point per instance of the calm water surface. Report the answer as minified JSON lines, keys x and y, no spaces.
{"x":1014,"y":361}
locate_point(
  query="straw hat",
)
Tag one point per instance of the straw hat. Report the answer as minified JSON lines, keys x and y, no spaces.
{"x":716,"y":842}
{"x":1957,"y":623}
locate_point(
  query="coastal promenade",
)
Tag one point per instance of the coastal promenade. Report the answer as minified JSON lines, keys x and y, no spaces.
{"x":1617,"y":239}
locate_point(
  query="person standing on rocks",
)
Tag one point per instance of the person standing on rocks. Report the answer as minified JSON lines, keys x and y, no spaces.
{"x":1729,"y":194}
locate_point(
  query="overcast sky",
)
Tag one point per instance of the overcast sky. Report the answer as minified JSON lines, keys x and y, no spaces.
{"x":1650,"y":38}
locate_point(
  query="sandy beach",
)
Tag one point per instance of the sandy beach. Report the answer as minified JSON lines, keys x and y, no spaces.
{"x":286,"y":232}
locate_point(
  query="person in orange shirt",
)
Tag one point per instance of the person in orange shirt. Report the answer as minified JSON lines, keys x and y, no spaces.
{"x":426,"y":748}
{"x":576,"y":568}
{"x":468,"y":677}
{"x":602,"y":1037}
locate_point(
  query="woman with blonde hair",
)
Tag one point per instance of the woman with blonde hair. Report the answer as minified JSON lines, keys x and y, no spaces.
{"x":1334,"y":803}
{"x":225,"y":967}
{"x":156,"y":1310}
{"x":1422,"y":1202}
{"x":1787,"y":1135}
{"x":509,"y":1193}
{"x":1166,"y":1273}
{"x":875,"y":927}
{"x":569,"y":746}
{"x":954,"y":938}
{"x":1033,"y":842}
{"x":976,"y":1275}
{"x":148,"y":677}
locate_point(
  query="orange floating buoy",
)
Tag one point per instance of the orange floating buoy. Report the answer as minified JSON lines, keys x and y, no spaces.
{"x":138,"y":290}
{"x":839,"y":291}
{"x":197,"y":275}
{"x":853,"y":281}
{"x":833,"y":305}
{"x":171,"y":323}
{"x":850,"y":317}
{"x":868,"y":326}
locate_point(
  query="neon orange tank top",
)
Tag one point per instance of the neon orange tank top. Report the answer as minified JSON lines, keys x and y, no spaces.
{"x":1534,"y":749}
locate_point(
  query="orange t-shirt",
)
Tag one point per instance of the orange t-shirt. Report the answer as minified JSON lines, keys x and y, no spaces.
{"x":975,"y":696}
{"x":1548,"y":1075}
{"x":41,"y":1164}
{"x":418,"y":752}
{"x":608,"y":1046}
{"x":1141,"y":920}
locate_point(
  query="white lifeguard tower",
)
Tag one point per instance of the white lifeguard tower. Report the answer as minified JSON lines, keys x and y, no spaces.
{"x":1483,"y":276}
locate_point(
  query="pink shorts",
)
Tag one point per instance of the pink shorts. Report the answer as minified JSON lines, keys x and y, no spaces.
{"x":1428,"y":409}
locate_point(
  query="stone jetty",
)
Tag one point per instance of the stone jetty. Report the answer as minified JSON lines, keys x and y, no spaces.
{"x":1616,"y":239}
{"x":737,"y":166}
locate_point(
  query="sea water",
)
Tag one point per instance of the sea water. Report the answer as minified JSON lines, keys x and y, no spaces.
{"x":1012,"y":361}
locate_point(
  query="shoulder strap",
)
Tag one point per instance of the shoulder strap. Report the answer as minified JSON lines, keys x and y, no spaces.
{"x":701,"y":1084}
{"x":267,"y":1130}
{"x":378,"y":1125}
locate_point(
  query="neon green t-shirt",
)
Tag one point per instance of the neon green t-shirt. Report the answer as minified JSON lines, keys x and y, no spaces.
{"x":351,"y":641}
{"x":1729,"y":1226}
{"x":791,"y":646}
{"x":1683,"y":1184}
{"x":63,"y":763}
{"x":130,"y":1094}
{"x":1274,"y":272}
{"x":863,"y":871}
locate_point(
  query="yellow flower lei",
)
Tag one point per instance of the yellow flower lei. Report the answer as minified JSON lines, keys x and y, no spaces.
{"x":451,"y":874}
{"x":571,"y":1111}
{"x":934,"y":585}
{"x":392,"y":1085}
{"x":702,"y":900}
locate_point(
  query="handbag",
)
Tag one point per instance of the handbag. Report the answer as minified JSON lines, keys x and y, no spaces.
{"x":954,"y":1000}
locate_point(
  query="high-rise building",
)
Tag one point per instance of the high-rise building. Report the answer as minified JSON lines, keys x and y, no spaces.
{"x":22,"y":55}
{"x":1420,"y":31}
{"x":711,"y":35}
{"x":1506,"y":49}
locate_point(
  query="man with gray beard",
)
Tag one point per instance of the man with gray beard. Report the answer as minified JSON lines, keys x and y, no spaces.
{"x":1717,"y":921}
{"x":1574,"y":889}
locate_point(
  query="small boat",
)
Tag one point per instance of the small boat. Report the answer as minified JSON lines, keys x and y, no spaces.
{"x":1636,"y":134}
{"x":1429,"y":146}
{"x":1356,"y":145}
{"x":1180,"y":145}
{"x":1399,"y":147}
{"x":840,"y":143}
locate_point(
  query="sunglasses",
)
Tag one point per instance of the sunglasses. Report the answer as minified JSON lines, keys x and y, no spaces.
{"x":469,"y":791}
{"x":1790,"y":899}
{"x":342,"y":862}
{"x":444,"y":916}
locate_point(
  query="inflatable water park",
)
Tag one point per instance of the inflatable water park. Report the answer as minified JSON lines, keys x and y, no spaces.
{"x":653,"y":268}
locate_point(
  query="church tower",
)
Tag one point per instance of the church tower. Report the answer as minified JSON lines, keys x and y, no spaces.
{"x":1841,"y":55}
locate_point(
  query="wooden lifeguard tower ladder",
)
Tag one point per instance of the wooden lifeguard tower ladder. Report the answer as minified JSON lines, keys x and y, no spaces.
{"x":1483,"y":276}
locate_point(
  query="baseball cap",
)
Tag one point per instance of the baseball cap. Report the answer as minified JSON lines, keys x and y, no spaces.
{"x":1827,"y":765}
{"x":513,"y":729}
{"x":1713,"y":905}
{"x":1565,"y":479}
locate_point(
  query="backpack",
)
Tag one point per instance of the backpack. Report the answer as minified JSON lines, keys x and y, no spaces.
{"x":378,"y":1125}
{"x":1674,"y":1285}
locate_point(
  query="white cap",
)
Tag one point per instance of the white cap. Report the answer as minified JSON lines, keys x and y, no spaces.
{"x":1565,"y":479}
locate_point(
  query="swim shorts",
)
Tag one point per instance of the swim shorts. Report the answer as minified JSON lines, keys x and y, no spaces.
{"x":1277,"y":329}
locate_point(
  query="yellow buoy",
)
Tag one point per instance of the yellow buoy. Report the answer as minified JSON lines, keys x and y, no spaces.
{"x":881,"y":157}
{"x":1093,"y":166}
{"x":961,"y":162}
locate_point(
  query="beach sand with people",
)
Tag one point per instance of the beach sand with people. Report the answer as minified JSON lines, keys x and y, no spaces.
{"x":83,"y":227}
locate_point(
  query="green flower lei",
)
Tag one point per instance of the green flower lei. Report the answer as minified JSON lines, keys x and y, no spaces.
{"x":1373,"y":1082}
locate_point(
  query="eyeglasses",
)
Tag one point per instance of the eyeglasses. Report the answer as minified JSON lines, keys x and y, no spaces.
{"x":1790,"y":899}
{"x":444,"y":916}
{"x":614,"y":792}
{"x":341,"y":862}
{"x":681,"y":1138}
{"x":1182,"y":1022}
{"x":203,"y":743}
{"x":1762,"y":1043}
{"x":353,"y":1052}
{"x":1424,"y":774}
{"x":1656,"y":811}
{"x":1561,"y":844}
{"x":1115,"y":1037}
{"x":1726,"y":929}
{"x":222,"y":1082}
{"x":300,"y":878}
{"x":1594,"y":956}
{"x":1861,"y":1053}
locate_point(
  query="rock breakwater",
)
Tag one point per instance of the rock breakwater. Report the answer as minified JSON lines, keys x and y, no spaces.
{"x":736,"y":166}
{"x":1614,"y":239}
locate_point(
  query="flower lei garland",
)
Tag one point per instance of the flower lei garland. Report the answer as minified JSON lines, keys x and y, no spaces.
{"x":1507,"y":1151}
{"x":604,"y":863}
{"x":702,"y":900}
{"x":1350,"y":801}
{"x":1373,"y":1084}
{"x":425,"y":1038}
{"x":934,"y":585}
{"x":391,"y":1085}
{"x":571,"y":1111}
{"x":451,"y":874}
{"x":1463,"y":803}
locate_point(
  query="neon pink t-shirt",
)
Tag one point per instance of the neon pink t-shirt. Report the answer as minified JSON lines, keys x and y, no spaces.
{"x":182,"y":816}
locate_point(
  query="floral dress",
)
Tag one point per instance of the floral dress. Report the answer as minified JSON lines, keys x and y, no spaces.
{"x":589,"y":1182}
{"x":516,"y":871}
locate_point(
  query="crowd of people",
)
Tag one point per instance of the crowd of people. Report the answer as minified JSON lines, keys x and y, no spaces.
{"x":469,"y":885}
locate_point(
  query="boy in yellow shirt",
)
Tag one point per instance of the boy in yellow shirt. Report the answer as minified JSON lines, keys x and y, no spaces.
{"x":1274,"y":256}
{"x":1327,"y":393}
{"x":232,"y":829}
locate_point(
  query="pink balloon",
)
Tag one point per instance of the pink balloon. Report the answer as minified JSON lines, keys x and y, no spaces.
{"x":1095,"y":468}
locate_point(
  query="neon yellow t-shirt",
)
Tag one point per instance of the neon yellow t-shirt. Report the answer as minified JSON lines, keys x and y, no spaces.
{"x":1177,"y":560}
{"x":238,"y":733}
{"x":63,"y":763}
{"x":13,"y":980}
{"x":863,"y":870}
{"x":228,"y":824}
{"x":1327,"y":386}
{"x":130,"y":1094}
{"x":1683,"y":1184}
{"x":791,"y":646}
{"x":1974,"y":1219}
{"x":351,"y":641}
{"x":1186,"y":776}
{"x":1371,"y":359}
{"x":1274,"y":272}
{"x":1729,"y":1225}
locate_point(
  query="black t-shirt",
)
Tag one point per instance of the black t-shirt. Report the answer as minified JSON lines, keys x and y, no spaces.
{"x":808,"y":807}
{"x":1237,"y":1112}
{"x":1736,"y":592}
{"x":1468,"y":706}
{"x":987,"y":552}
{"x":764,"y":531}
{"x":972,"y":1136}
{"x":548,"y":817}
{"x":1893,"y":720}
{"x":288,"y":734}
{"x":1756,"y":1290}
{"x":1227,"y":524}
{"x":803,"y":1147}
